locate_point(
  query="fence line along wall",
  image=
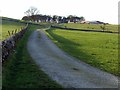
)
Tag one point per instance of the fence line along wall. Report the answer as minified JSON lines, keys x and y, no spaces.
{"x":87,"y":30}
{"x":9,"y":44}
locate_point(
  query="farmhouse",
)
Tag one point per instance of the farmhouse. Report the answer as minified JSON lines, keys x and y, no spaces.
{"x":84,"y":22}
{"x":96,"y":22}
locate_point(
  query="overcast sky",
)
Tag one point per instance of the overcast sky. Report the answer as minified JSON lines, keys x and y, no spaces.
{"x":102,"y":10}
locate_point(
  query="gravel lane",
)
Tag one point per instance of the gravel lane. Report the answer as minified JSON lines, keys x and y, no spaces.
{"x":65,"y":69}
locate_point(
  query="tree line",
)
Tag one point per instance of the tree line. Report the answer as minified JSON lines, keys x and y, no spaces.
{"x":33,"y":15}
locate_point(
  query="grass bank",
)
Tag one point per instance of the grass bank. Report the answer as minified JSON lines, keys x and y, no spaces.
{"x":20,"y":71}
{"x":97,"y":49}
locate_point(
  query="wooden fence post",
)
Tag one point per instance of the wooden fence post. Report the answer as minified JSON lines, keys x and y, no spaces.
{"x":9,"y":33}
{"x":12,"y":32}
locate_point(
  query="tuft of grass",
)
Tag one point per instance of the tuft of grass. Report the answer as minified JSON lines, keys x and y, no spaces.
{"x":20,"y":71}
{"x":97,"y":49}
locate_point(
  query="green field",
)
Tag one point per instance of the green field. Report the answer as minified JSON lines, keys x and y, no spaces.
{"x":20,"y":71}
{"x":9,"y":26}
{"x":95,"y":48}
{"x":113,"y":28}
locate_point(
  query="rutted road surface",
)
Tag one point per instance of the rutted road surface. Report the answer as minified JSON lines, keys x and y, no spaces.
{"x":65,"y":69}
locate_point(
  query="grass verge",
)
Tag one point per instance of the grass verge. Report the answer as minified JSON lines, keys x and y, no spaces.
{"x":19,"y":71}
{"x":95,"y":48}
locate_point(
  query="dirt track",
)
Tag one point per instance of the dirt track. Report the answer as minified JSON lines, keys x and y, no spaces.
{"x":65,"y":69}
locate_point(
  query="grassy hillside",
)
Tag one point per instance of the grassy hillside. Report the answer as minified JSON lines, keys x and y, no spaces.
{"x":19,"y":71}
{"x":113,"y":28}
{"x":10,"y":25}
{"x":97,"y":49}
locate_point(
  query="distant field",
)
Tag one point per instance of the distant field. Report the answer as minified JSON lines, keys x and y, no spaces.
{"x":113,"y":28}
{"x":9,"y":26}
{"x":95,"y":48}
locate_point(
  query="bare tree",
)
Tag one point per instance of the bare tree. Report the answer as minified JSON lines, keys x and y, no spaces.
{"x":32,"y":11}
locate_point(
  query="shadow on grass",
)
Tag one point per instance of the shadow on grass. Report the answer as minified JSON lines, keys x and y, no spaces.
{"x":71,"y":48}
